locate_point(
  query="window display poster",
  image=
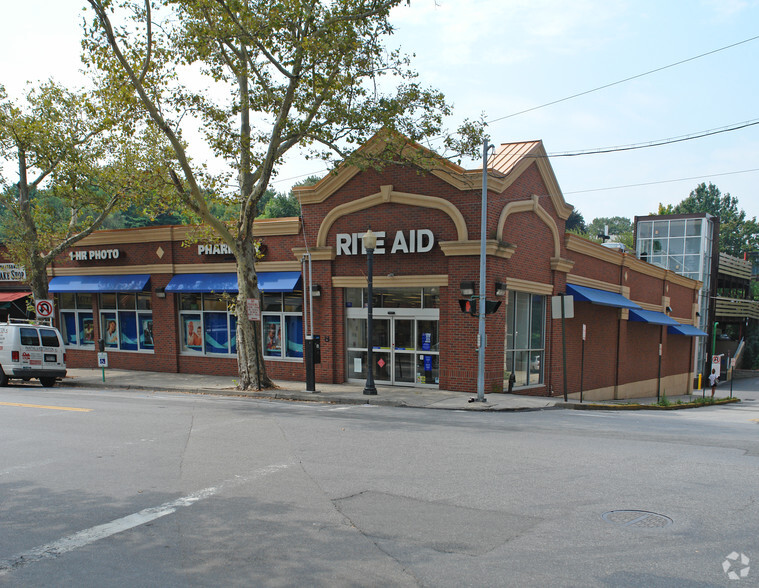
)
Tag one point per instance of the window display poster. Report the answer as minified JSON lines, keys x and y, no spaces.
{"x":110,"y":330}
{"x":88,"y":331}
{"x":192,"y":336}
{"x":147,"y":332}
{"x":272,"y":336}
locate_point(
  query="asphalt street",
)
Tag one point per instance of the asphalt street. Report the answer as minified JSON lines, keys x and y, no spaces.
{"x":104,"y":487}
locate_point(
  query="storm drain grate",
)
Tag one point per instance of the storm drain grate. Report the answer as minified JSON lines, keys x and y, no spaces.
{"x":636,"y":518}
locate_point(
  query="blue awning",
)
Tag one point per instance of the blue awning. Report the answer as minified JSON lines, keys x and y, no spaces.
{"x":94,"y":284}
{"x":203,"y":283}
{"x":219,"y":283}
{"x":601,"y":297}
{"x":652,"y":317}
{"x":688,"y":330}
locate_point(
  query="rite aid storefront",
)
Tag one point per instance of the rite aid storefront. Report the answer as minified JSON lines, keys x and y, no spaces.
{"x":163,"y":305}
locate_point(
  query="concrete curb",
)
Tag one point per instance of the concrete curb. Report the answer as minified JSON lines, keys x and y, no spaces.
{"x":651,"y":406}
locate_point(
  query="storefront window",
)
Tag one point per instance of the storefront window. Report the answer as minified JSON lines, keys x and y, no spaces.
{"x":77,"y":326}
{"x":394,"y":297}
{"x":126,"y":321}
{"x":282,"y":325}
{"x":525,"y":338}
{"x":208,"y":325}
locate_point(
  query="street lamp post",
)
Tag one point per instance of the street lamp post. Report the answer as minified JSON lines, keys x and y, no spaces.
{"x":370,"y":242}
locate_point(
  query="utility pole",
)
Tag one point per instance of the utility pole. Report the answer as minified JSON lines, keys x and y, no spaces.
{"x":483,"y":259}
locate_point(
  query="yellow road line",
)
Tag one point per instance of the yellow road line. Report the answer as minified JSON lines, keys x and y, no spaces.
{"x":48,"y":407}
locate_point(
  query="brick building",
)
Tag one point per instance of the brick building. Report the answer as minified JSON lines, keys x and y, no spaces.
{"x":162,"y":305}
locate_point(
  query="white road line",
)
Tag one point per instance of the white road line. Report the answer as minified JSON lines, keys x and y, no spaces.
{"x":88,"y":536}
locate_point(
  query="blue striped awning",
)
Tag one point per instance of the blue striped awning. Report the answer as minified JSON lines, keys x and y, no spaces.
{"x":601,"y":297}
{"x":94,"y":284}
{"x":688,"y":330}
{"x":652,"y":317}
{"x":220,"y":283}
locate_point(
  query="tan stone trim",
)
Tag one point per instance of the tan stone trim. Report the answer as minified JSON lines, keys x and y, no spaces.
{"x":648,"y":269}
{"x":562,"y":265}
{"x":391,"y":282}
{"x":317,"y":253}
{"x":597,"y":284}
{"x":595,"y":250}
{"x":327,"y":186}
{"x":386,"y":194}
{"x":261,"y":228}
{"x":124,"y":236}
{"x":674,"y":278}
{"x":454,"y":175}
{"x":206,"y":268}
{"x":683,"y":320}
{"x":649,"y":306}
{"x":518,"y":285}
{"x":118,"y":270}
{"x":270,"y":227}
{"x":492,"y":247}
{"x":645,"y":268}
{"x":278,"y":266}
{"x":167,"y":268}
{"x":532,"y":205}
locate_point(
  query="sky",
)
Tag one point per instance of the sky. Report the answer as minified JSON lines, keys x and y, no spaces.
{"x":498,"y":58}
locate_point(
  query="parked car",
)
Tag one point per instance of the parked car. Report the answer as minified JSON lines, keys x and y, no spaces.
{"x":31,"y":351}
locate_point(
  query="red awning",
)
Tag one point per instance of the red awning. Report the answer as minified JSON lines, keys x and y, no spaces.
{"x":10,"y":296}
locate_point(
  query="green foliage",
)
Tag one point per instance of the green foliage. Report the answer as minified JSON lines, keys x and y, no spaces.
{"x":618,"y":225}
{"x":76,"y":160}
{"x":737,"y":233}
{"x":576,"y":223}
{"x":663,"y":400}
{"x":669,"y":209}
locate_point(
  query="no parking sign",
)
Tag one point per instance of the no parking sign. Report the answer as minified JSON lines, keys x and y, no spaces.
{"x":716,"y":363}
{"x":43,"y":308}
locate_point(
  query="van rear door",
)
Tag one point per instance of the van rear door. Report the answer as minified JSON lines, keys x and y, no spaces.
{"x":31,"y":352}
{"x":52,"y":350}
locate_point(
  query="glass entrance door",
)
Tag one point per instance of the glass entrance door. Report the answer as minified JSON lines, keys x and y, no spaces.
{"x":404,"y":350}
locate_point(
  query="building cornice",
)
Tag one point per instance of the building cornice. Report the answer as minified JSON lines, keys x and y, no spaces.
{"x":440,"y":280}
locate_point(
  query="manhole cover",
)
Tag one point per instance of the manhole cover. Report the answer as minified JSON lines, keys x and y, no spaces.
{"x":636,"y":518}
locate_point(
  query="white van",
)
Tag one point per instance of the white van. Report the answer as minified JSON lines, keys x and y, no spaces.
{"x":31,"y":351}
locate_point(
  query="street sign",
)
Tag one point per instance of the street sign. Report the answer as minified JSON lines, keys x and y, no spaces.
{"x":716,"y":363}
{"x":569,"y":307}
{"x":103,"y":359}
{"x":43,"y":308}
{"x":253,"y":306}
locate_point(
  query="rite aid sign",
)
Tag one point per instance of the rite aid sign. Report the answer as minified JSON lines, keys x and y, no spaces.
{"x":414,"y":241}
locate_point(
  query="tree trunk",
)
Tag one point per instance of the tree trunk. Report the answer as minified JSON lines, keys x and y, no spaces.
{"x":250,"y":359}
{"x":36,"y":276}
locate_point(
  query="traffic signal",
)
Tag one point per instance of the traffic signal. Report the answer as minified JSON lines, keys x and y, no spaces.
{"x":469,"y":306}
{"x":491,"y":306}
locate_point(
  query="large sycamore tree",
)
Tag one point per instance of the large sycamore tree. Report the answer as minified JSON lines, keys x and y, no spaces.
{"x":66,"y":162}
{"x":273,"y":76}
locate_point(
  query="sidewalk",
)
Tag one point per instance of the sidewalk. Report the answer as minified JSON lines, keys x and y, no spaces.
{"x":338,"y":393}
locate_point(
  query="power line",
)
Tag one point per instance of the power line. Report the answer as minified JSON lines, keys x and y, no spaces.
{"x":743,"y":171}
{"x":624,"y":80}
{"x":659,"y":142}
